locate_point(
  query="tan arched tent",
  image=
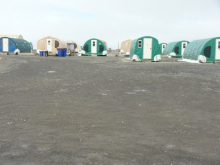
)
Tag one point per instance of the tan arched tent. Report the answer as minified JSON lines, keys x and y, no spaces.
{"x":128,"y":46}
{"x":125,"y":45}
{"x":77,"y":46}
{"x":105,"y":43}
{"x":51,"y":44}
{"x":12,"y":36}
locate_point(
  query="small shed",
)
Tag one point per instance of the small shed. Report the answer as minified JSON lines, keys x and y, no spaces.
{"x":162,"y":47}
{"x":94,"y":46}
{"x":14,"y":45}
{"x":76,"y":46}
{"x":12,"y":36}
{"x":50,"y":44}
{"x":145,"y":48}
{"x":204,"y":50}
{"x":175,"y":49}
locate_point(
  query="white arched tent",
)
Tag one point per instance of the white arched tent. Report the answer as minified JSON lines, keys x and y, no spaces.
{"x":50,"y":44}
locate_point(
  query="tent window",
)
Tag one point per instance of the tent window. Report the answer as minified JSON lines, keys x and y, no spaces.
{"x":86,"y":48}
{"x":184,"y":45}
{"x":93,"y":43}
{"x":139,"y":44}
{"x":163,"y":46}
{"x":57,"y":44}
{"x":101,"y":48}
{"x":176,"y":50}
{"x":207,"y":51}
{"x":219,"y":44}
{"x":48,"y":42}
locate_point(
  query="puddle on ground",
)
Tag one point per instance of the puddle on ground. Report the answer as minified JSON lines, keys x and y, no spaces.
{"x":51,"y":71}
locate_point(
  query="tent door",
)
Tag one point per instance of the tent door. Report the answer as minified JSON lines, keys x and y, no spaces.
{"x":184,"y":45}
{"x":94,"y":46}
{"x":147,"y":49}
{"x":49,"y":45}
{"x":163,"y":47}
{"x":5,"y":44}
{"x":217,"y":50}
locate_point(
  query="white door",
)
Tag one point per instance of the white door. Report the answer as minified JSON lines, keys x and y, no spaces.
{"x":147,"y":49}
{"x":94,"y":46}
{"x":5,"y":44}
{"x":163,"y":47}
{"x":49,"y":45}
{"x":217,"y":49}
{"x":184,"y":45}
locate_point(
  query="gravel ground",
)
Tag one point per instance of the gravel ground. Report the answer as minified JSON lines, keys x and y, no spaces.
{"x":108,"y":110}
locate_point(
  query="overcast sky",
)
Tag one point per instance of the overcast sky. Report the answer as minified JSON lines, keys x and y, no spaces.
{"x":111,"y":20}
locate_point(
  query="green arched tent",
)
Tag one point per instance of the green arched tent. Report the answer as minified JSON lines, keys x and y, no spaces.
{"x":203,"y":50}
{"x":175,"y":48}
{"x":94,"y":46}
{"x":14,"y":45}
{"x":145,"y":48}
{"x":162,"y":47}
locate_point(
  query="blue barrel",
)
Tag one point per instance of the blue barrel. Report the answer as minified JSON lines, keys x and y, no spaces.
{"x":60,"y":52}
{"x":41,"y":53}
{"x":64,"y":52}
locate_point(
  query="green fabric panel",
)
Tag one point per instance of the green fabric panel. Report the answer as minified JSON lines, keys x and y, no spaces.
{"x":22,"y":45}
{"x":98,"y":43}
{"x":139,"y":51}
{"x":171,"y":46}
{"x":132,"y":48}
{"x":197,"y":47}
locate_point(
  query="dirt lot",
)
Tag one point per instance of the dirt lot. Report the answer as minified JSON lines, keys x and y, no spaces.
{"x":107,"y":110}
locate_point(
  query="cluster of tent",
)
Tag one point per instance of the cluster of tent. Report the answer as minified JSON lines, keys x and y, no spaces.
{"x":140,"y":49}
{"x":148,"y":48}
{"x":92,"y":46}
{"x":16,"y":44}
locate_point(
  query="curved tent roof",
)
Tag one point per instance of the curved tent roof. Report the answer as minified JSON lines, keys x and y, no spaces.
{"x":197,"y":47}
{"x":12,"y":36}
{"x":20,"y":44}
{"x":171,"y":46}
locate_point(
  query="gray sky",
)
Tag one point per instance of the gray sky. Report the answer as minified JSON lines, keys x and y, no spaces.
{"x":111,"y":20}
